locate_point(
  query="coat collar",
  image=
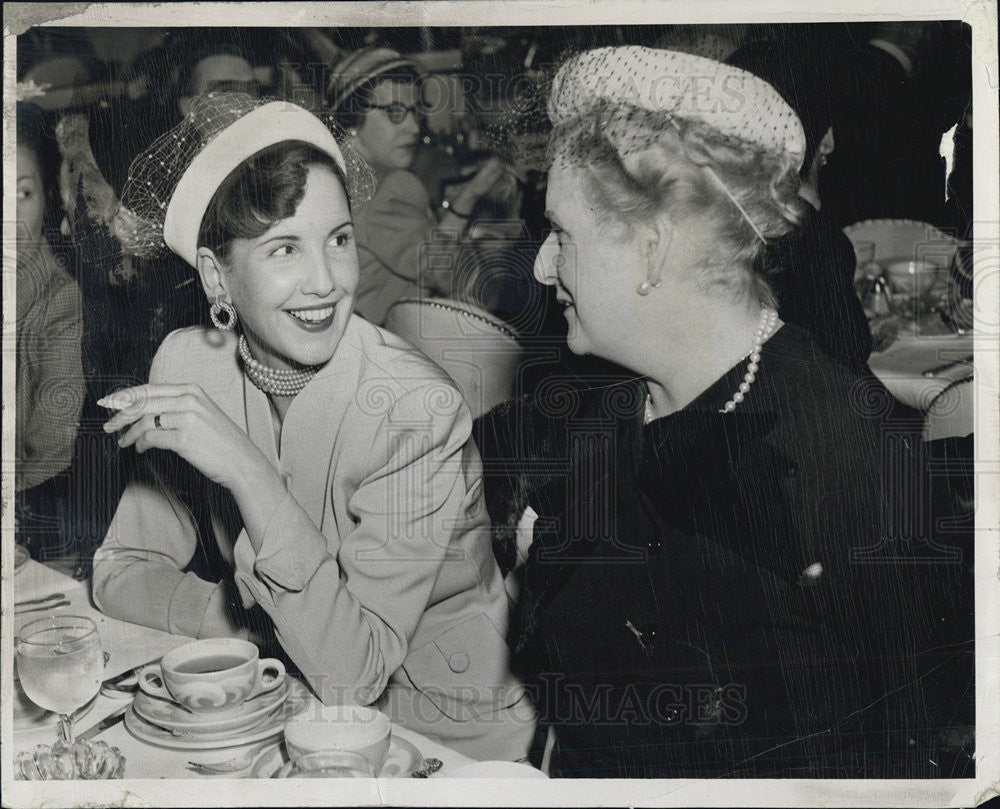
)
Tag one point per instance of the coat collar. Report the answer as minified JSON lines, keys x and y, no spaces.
{"x":312,"y":424}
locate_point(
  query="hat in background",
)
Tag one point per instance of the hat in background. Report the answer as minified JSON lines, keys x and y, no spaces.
{"x":360,"y":67}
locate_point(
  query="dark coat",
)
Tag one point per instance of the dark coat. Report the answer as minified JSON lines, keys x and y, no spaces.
{"x":721,"y":594}
{"x":814,"y":283}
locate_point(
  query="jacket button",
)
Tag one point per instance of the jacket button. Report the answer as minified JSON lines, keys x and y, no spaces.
{"x":811,"y":574}
{"x":458,"y":662}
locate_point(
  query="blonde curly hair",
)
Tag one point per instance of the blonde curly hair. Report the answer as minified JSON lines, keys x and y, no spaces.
{"x":639,"y":165}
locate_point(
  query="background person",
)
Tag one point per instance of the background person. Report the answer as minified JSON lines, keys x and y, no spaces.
{"x":50,"y":386}
{"x":403,"y":246}
{"x":812,"y":268}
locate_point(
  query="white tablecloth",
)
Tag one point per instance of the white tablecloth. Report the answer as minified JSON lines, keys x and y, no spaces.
{"x":901,"y":367}
{"x":131,"y":645}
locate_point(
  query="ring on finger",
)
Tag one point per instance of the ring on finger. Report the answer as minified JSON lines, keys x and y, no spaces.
{"x":157,"y":423}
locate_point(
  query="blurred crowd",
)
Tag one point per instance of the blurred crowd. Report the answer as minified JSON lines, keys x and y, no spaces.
{"x":452,"y":123}
{"x":602,"y":248}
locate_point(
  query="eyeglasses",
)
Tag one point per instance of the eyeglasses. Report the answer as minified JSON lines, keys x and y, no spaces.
{"x":396,"y":111}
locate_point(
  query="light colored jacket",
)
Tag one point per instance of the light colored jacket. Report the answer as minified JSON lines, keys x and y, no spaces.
{"x":50,"y":382}
{"x":395,"y":233}
{"x":376,"y":570}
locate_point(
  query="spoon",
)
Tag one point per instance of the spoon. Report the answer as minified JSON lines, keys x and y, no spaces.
{"x":235,"y":764}
{"x":42,"y":607}
{"x":31,"y":601}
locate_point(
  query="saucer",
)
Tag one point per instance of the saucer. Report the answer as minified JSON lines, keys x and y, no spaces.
{"x":402,"y":760}
{"x":171,"y":715}
{"x":269,"y":725}
{"x":497,"y":769}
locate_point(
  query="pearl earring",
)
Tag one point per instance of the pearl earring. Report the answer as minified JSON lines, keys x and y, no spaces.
{"x":352,"y":132}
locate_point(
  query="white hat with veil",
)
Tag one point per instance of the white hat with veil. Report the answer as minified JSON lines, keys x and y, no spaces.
{"x":171,"y":184}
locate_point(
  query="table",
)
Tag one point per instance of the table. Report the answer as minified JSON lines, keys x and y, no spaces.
{"x":901,"y":366}
{"x":131,"y":645}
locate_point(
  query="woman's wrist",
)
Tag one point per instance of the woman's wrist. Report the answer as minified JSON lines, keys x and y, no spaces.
{"x":250,"y":479}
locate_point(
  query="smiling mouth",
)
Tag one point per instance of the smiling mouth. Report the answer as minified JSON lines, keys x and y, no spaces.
{"x":312,"y":316}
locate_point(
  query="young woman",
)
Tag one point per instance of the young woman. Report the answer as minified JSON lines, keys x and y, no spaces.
{"x":331,"y":462}
{"x":376,"y":97}
{"x":50,"y":384}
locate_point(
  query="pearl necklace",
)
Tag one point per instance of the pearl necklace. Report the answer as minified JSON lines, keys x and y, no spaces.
{"x":765,"y":328}
{"x":275,"y":381}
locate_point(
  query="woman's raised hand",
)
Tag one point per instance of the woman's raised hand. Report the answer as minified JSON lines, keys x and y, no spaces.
{"x":485,"y":179}
{"x":487,"y":176}
{"x":183,"y":419}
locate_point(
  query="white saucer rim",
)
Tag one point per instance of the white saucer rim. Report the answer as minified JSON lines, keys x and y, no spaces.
{"x":227,"y":717}
{"x":179,"y":743}
{"x":278,"y":747}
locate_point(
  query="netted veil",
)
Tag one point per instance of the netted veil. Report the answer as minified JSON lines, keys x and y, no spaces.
{"x":208,"y":142}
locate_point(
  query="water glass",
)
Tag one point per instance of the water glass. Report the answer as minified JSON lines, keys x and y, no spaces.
{"x":60,"y":665}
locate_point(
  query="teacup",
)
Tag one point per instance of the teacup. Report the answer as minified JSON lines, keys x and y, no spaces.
{"x":212,"y":676}
{"x":350,"y":728}
{"x":912,"y":276}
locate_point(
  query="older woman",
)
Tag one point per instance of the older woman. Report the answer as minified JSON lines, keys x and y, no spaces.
{"x":340,"y":494}
{"x":403,"y":246}
{"x":713,"y":585}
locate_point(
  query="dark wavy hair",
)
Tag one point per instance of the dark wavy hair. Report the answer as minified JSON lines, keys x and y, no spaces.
{"x":353,"y":109}
{"x":264,"y":189}
{"x":34,"y":132}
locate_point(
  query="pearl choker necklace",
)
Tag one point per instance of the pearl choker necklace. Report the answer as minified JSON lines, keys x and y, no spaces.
{"x":275,"y":381}
{"x":765,"y":328}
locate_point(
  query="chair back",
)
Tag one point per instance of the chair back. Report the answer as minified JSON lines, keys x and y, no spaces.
{"x":476,"y":349}
{"x":951,"y":413}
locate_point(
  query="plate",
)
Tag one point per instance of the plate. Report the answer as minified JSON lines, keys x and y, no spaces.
{"x":497,"y":769}
{"x":171,"y":715}
{"x":21,"y":558}
{"x":270,"y":725}
{"x":403,"y":759}
{"x":904,"y":238}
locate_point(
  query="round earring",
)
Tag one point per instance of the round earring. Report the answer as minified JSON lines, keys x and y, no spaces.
{"x":352,"y":132}
{"x":643,"y":288}
{"x":217,"y":309}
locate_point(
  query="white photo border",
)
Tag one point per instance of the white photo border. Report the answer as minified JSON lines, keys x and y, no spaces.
{"x":980,"y":14}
